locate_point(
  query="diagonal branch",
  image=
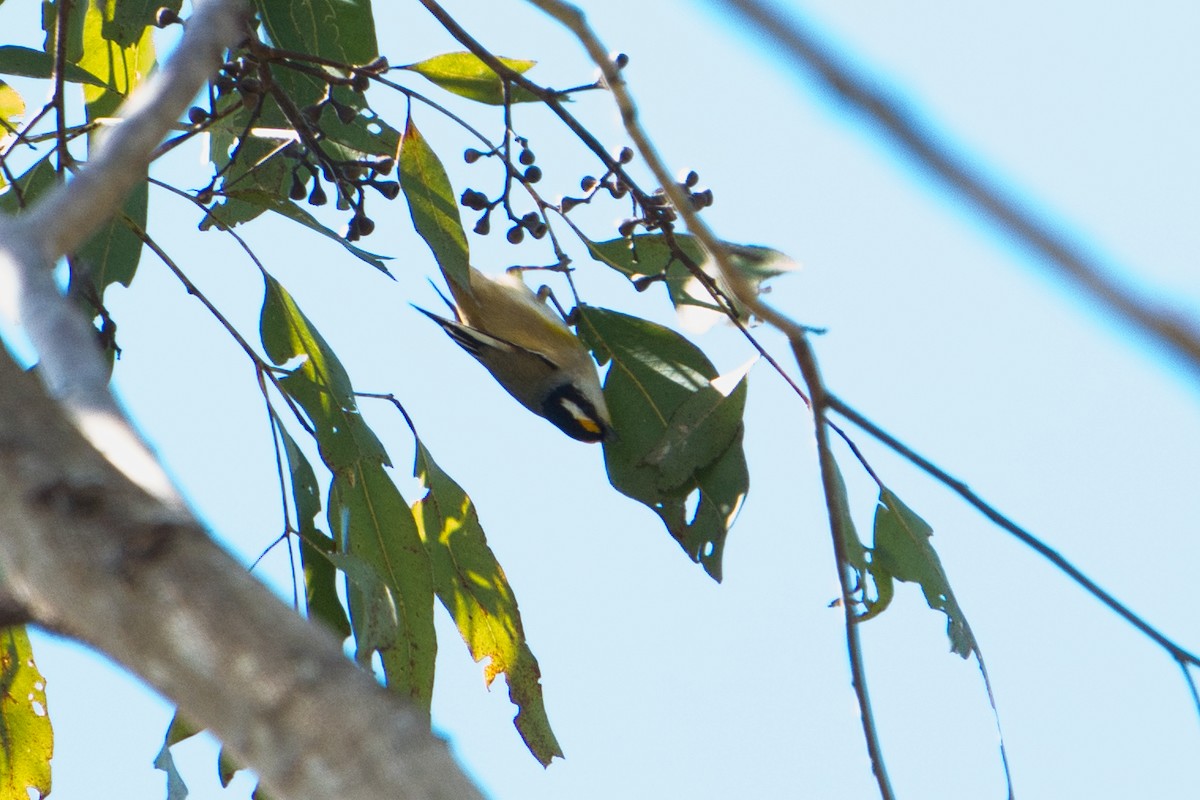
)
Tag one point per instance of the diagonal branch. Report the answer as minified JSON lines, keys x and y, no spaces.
{"x":1167,"y":326}
{"x":91,"y":555}
{"x":573,"y":19}
{"x":95,"y":542}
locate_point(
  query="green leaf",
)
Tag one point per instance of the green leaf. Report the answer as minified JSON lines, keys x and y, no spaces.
{"x":466,"y":75}
{"x":31,"y":185}
{"x":472,"y":586}
{"x":112,"y":254}
{"x":680,"y":439}
{"x":320,"y":576}
{"x":650,"y":255}
{"x":698,"y":432}
{"x":318,"y":382}
{"x":227,"y":215}
{"x":26,"y":737}
{"x":337,"y":30}
{"x":371,"y":522}
{"x":903,"y":551}
{"x":432,"y":204}
{"x":29,"y":63}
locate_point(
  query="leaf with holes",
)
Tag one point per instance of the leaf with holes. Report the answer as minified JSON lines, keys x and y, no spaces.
{"x":903,"y":551}
{"x":678,"y":437}
{"x":26,"y":738}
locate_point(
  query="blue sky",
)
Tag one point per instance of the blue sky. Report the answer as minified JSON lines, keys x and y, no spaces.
{"x":659,"y":682}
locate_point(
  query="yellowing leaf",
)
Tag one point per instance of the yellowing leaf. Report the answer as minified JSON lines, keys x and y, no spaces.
{"x":26,"y":738}
{"x":473,"y":588}
{"x":466,"y":75}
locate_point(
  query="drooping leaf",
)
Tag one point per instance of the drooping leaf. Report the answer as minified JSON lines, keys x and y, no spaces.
{"x":903,"y":551}
{"x":318,"y":382}
{"x":432,"y":204}
{"x":472,"y":586}
{"x":316,"y":548}
{"x":394,"y":616}
{"x":26,"y":737}
{"x":466,"y":75}
{"x":342,"y":31}
{"x":659,"y":390}
{"x":227,"y":215}
{"x":29,"y":63}
{"x":390,"y":586}
{"x":115,"y":45}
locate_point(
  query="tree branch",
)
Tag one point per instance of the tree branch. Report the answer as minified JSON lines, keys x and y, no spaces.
{"x":573,"y":19}
{"x":89,"y":554}
{"x":1167,"y":326}
{"x":96,"y":544}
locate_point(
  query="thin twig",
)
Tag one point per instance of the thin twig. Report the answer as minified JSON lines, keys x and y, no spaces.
{"x":1177,"y":651}
{"x":572,"y":18}
{"x":1154,"y":317}
{"x":61,"y":19}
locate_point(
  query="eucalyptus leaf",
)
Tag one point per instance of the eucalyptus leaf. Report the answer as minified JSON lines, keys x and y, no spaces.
{"x":473,"y":588}
{"x":432,"y":204}
{"x":466,"y":75}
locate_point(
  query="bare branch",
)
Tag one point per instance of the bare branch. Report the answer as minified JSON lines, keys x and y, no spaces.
{"x":88,"y":553}
{"x":1167,"y":326}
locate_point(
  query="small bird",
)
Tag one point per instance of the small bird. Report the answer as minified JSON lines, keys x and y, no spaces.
{"x":530,"y":351}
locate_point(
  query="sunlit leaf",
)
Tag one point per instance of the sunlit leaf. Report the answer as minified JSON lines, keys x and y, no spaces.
{"x":26,"y":737}
{"x":115,"y":45}
{"x":466,"y":75}
{"x":659,"y":390}
{"x":473,"y":588}
{"x":432,"y":203}
{"x":29,"y":63}
{"x":390,"y":586}
{"x":12,"y":108}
